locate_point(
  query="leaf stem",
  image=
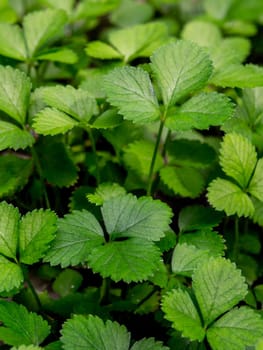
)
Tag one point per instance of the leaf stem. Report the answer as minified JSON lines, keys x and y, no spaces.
{"x":156,"y":148}
{"x":93,"y":147}
{"x":40,"y":173}
{"x":236,"y":241}
{"x":33,"y":291}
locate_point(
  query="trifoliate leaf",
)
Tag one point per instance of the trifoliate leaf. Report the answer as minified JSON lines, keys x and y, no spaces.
{"x":64,"y":55}
{"x":9,"y":217}
{"x":78,"y":234}
{"x":12,"y":42}
{"x":101,"y":50}
{"x":196,"y":217}
{"x":218,"y":286}
{"x":51,"y":121}
{"x":36,"y":231}
{"x":238,"y":158}
{"x":256,"y":183}
{"x":15,"y":89}
{"x":185,"y":181}
{"x":201,"y":111}
{"x":138,"y":156}
{"x":42,"y":26}
{"x":236,"y":330}
{"x":186,"y":258}
{"x":148,"y":344}
{"x":104,"y":192}
{"x":188,"y":68}
{"x":205,"y":240}
{"x":181,"y":311}
{"x":11,"y":275}
{"x":20,"y":326}
{"x":75,"y":102}
{"x":130,"y":89}
{"x":143,"y":218}
{"x":237,"y":75}
{"x":131,"y":260}
{"x":139,"y":40}
{"x":92,"y":333}
{"x":225,"y":195}
{"x":11,"y":136}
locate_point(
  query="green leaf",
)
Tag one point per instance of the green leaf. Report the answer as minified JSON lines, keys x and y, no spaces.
{"x":238,"y":158}
{"x":106,"y":191}
{"x":236,"y":330}
{"x":181,"y":311}
{"x":256,"y":183}
{"x":26,"y":347}
{"x":92,"y":333}
{"x":58,"y":54}
{"x":12,"y":42}
{"x":131,"y":260}
{"x":75,"y":102}
{"x":20,"y":326}
{"x":185,"y":181}
{"x":258,"y":214}
{"x":196,"y":217}
{"x":67,"y":282}
{"x":218,"y":10}
{"x":66,"y":5}
{"x":9,"y":218}
{"x":143,"y":218}
{"x":11,"y":136}
{"x":11,"y":275}
{"x":95,"y":8}
{"x":225,"y":195}
{"x":42,"y":26}
{"x":237,"y":75}
{"x":186,"y":258}
{"x":138,"y":156}
{"x":51,"y":121}
{"x":139,"y":40}
{"x":187,"y":69}
{"x":101,"y":50}
{"x":15,"y":89}
{"x":218,"y":286}
{"x":107,"y":120}
{"x":148,"y":344}
{"x":36,"y":231}
{"x":78,"y":234}
{"x":130,"y":89}
{"x":201,"y":111}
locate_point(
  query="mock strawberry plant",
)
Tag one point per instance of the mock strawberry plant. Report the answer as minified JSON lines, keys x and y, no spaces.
{"x":131,"y":180}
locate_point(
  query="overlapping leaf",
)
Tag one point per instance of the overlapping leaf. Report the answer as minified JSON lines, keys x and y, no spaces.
{"x":13,"y":43}
{"x":11,"y":275}
{"x":11,"y":136}
{"x":106,"y":191}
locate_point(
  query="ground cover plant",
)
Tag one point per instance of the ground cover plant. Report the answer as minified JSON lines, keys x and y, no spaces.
{"x":131,"y":175}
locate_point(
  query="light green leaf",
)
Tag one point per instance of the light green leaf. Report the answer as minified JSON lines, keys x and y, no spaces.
{"x":148,"y":344}
{"x":256,"y":183}
{"x":36,"y":231}
{"x":201,"y":111}
{"x":51,"y":121}
{"x":185,"y":181}
{"x":218,"y":10}
{"x":66,"y":5}
{"x":11,"y":136}
{"x":181,"y":311}
{"x":58,"y":54}
{"x":143,"y":218}
{"x":9,"y":218}
{"x":236,"y":330}
{"x":106,"y":191}
{"x":238,"y":158}
{"x":15,"y":89}
{"x":139,"y":40}
{"x":42,"y":26}
{"x":186,"y":258}
{"x":12,"y":42}
{"x":95,"y":8}
{"x":225,"y":195}
{"x":187,"y":69}
{"x":131,"y":260}
{"x":101,"y":50}
{"x":218,"y":286}
{"x":75,"y":102}
{"x":237,"y":75}
{"x":138,"y":156}
{"x":130,"y":89}
{"x":11,"y":275}
{"x":20,"y":326}
{"x":258,"y":214}
{"x":107,"y":120}
{"x":26,"y":347}
{"x":92,"y":333}
{"x":14,"y":172}
{"x":78,"y":234}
